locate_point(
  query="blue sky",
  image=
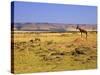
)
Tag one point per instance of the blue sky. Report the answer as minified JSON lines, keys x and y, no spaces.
{"x":54,"y":13}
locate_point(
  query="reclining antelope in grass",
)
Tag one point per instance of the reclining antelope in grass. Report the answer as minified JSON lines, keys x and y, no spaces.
{"x":82,"y":31}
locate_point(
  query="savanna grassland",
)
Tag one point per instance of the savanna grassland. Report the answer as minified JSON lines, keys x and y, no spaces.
{"x":44,"y":52}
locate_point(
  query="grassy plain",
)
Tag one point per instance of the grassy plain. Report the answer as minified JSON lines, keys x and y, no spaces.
{"x":44,"y":52}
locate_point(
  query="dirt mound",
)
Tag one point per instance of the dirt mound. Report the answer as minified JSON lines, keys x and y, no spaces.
{"x":79,"y":41}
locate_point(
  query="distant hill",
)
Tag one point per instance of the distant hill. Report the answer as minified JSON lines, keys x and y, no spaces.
{"x":52,"y":27}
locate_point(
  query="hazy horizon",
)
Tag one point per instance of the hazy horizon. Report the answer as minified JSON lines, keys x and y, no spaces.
{"x":51,"y":23}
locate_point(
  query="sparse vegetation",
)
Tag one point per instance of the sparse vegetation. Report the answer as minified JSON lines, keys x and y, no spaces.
{"x":54,"y":51}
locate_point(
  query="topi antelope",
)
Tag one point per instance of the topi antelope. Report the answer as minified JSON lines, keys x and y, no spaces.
{"x":82,"y":31}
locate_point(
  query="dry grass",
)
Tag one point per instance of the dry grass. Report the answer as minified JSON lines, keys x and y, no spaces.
{"x":46,"y":52}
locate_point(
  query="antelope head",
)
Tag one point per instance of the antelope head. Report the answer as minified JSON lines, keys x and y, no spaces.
{"x":77,"y":27}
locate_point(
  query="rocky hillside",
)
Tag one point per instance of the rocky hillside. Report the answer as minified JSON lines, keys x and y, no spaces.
{"x":53,"y":27}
